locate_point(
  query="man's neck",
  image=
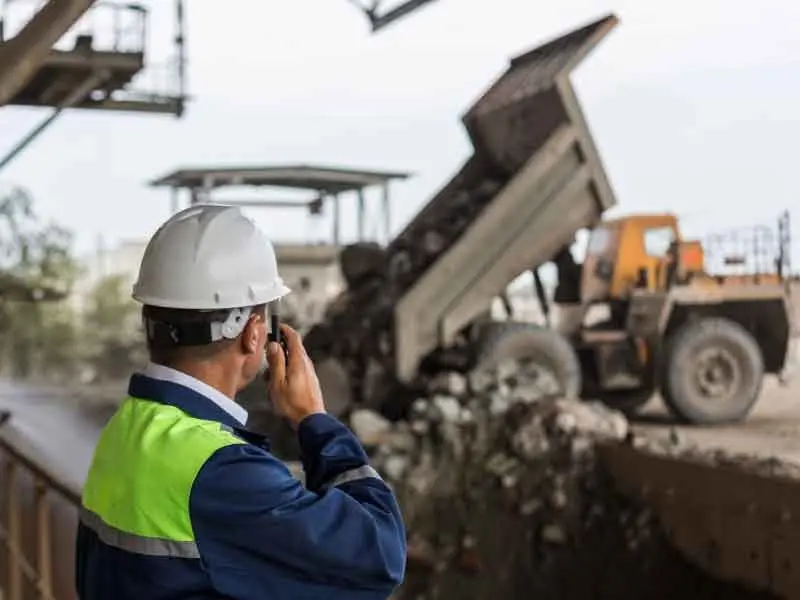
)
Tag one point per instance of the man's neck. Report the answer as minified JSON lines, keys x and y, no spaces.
{"x":214,"y":375}
{"x":193,"y":381}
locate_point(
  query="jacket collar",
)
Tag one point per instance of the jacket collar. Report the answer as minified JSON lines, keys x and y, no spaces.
{"x":192,"y":396}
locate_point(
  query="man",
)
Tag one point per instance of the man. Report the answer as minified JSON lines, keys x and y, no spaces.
{"x":181,"y":501}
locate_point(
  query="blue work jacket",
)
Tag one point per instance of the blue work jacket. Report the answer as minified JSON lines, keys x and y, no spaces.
{"x":181,"y":502}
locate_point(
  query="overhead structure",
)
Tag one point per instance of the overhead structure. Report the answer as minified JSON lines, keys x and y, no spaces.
{"x":85,"y":54}
{"x":321,"y":184}
{"x":380,"y":15}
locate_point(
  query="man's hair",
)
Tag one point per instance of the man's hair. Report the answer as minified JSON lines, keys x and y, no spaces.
{"x":159,"y":323}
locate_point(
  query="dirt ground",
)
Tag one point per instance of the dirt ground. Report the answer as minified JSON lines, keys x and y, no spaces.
{"x":771,"y":430}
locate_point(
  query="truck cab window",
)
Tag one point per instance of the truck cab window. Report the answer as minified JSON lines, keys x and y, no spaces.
{"x":657,"y":241}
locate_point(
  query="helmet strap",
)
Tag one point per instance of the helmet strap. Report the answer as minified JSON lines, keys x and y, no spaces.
{"x":199,"y":333}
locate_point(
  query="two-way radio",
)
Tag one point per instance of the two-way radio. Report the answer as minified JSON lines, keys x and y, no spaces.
{"x":275,"y":327}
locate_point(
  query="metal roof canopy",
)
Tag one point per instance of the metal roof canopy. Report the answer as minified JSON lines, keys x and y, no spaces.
{"x":325,"y":181}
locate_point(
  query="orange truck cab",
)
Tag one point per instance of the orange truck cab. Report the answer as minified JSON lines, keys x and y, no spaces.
{"x":635,"y":252}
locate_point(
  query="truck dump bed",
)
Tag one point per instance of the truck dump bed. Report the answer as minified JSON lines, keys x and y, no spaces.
{"x":534,"y":180}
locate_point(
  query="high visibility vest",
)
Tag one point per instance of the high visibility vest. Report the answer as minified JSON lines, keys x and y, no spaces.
{"x":182,"y":502}
{"x":136,"y":495}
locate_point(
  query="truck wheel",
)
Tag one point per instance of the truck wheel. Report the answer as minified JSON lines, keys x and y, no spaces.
{"x":548,"y":350}
{"x":713,"y":371}
{"x":628,"y":402}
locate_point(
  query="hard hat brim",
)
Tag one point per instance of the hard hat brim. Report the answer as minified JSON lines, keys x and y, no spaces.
{"x":264,"y":296}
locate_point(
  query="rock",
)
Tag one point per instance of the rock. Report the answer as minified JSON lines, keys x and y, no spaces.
{"x":590,"y":418}
{"x":420,"y":427}
{"x":361,"y":260}
{"x":450,"y":383}
{"x":395,"y":466}
{"x":370,"y":427}
{"x":448,"y":407}
{"x":480,"y":382}
{"x":499,"y":403}
{"x":402,"y":439}
{"x":554,"y":534}
{"x":503,"y":495}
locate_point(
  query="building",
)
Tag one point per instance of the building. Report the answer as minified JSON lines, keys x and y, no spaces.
{"x":312,"y":272}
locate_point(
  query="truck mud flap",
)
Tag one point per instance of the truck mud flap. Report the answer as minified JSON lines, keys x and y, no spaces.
{"x":738,"y":524}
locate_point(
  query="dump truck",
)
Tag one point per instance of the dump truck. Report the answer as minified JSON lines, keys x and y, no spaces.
{"x":701,"y":338}
{"x":418,"y":306}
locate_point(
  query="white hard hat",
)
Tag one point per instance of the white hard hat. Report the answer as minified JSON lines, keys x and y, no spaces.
{"x":206,"y":257}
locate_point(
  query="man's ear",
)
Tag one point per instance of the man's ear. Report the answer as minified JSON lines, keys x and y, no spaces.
{"x":251,"y":341}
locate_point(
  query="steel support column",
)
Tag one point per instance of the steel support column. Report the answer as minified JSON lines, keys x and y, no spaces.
{"x":362,"y":209}
{"x":387,"y":213}
{"x":337,"y":221}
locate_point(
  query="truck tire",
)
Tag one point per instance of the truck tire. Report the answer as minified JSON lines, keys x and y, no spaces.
{"x":549,"y":350}
{"x":712,"y":372}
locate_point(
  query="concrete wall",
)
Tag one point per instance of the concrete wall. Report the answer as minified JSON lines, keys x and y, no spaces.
{"x":312,"y":272}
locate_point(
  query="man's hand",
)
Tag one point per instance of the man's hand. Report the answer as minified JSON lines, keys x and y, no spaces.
{"x":293,"y":387}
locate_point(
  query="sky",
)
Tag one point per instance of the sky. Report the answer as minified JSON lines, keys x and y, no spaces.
{"x":694,"y":106}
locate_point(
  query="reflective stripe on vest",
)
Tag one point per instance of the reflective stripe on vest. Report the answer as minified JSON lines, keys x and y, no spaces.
{"x":136,"y":495}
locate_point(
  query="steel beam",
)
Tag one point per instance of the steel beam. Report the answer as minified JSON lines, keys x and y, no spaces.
{"x":23,"y":54}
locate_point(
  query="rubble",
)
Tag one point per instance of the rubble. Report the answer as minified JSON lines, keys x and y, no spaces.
{"x":369,"y":426}
{"x":503,"y":496}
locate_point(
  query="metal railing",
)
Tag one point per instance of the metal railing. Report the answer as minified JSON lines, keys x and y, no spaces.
{"x":21,"y":571}
{"x":157,"y":82}
{"x":754,"y":250}
{"x":113,"y":27}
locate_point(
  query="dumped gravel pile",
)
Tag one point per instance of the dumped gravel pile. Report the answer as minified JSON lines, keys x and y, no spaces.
{"x":503,"y":497}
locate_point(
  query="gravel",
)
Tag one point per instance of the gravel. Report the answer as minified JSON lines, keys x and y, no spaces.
{"x":504,"y":496}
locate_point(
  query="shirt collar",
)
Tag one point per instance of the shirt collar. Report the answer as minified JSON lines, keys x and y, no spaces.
{"x":170,"y":386}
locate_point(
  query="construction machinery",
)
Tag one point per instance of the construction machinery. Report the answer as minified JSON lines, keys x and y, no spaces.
{"x":535,"y":179}
{"x":703,"y":340}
